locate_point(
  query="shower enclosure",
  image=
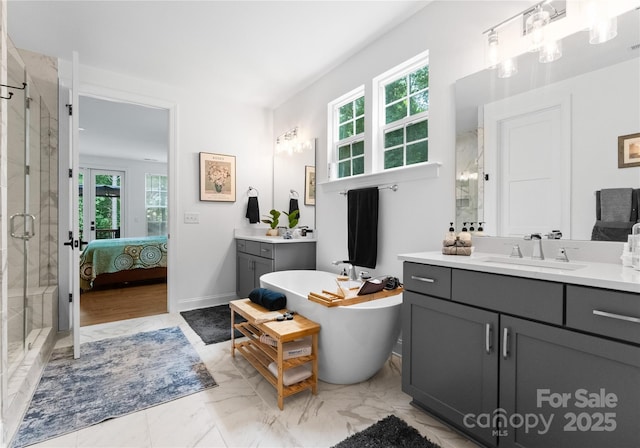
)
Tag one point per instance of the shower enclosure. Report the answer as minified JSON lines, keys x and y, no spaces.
{"x":31,"y":215}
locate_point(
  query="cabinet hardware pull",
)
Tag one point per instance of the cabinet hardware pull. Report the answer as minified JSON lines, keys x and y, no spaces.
{"x":617,"y":316}
{"x":422,"y":279}
{"x":487,"y":340}
{"x":505,"y":343}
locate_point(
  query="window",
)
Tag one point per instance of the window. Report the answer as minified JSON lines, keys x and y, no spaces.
{"x":404,"y":102}
{"x":347,"y":127}
{"x":156,"y":204}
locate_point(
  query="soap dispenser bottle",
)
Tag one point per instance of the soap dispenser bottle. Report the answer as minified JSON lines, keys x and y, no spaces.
{"x":480,"y":231}
{"x":451,"y":234}
{"x":464,"y":235}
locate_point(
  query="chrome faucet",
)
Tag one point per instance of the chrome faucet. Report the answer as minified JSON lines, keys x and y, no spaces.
{"x":348,"y":269}
{"x":536,"y":252}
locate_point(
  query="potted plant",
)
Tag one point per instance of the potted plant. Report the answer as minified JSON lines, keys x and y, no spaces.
{"x":273,"y":222}
{"x":293,"y":218}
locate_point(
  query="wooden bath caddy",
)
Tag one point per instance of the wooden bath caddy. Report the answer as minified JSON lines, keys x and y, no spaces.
{"x":346,"y":297}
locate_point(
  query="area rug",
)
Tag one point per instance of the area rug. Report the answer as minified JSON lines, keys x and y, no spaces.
{"x":212,"y":324}
{"x":390,"y":432}
{"x":113,"y":377}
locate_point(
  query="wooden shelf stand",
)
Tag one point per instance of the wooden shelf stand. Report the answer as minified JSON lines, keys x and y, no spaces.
{"x":260,"y":355}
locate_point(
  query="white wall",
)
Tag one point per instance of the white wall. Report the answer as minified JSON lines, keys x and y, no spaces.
{"x":134,"y":213}
{"x":416,"y":217}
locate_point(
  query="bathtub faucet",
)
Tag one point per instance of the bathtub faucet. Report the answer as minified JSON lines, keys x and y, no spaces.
{"x":348,"y":269}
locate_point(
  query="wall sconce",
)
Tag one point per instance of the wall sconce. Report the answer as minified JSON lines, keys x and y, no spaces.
{"x":602,"y":27}
{"x":290,"y":143}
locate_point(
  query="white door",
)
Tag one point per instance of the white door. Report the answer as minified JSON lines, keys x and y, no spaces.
{"x":527,"y":153}
{"x":75,"y":242}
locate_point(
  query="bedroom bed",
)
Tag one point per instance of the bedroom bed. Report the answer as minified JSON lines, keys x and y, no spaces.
{"x":120,"y":260}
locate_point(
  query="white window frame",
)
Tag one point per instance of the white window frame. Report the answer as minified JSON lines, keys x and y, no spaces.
{"x":333,"y":130}
{"x":147,"y":206}
{"x":378,"y":104}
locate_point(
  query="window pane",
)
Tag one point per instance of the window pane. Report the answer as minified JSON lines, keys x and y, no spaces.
{"x":346,"y":112}
{"x":396,"y":112}
{"x":420,"y":102}
{"x":417,"y":152}
{"x":344,"y":169}
{"x":393,"y":158}
{"x":358,"y":165}
{"x":346,"y":130}
{"x":395,"y":90}
{"x":359,"y":106}
{"x":417,"y":131}
{"x":419,"y":80}
{"x":163,"y":183}
{"x":394,"y":138}
{"x":357,"y":149}
{"x":344,"y":152}
{"x":163,"y":198}
{"x":360,"y":125}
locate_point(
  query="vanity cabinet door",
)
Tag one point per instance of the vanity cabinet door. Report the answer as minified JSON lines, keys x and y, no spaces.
{"x":587,"y":387}
{"x":249,"y":268}
{"x":450,"y":361}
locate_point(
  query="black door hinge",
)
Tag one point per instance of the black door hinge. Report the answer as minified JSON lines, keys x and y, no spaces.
{"x":70,"y":298}
{"x":70,"y":108}
{"x":70,"y":173}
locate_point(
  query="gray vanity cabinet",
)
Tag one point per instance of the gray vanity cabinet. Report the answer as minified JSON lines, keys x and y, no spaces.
{"x":449,"y":361}
{"x":519,"y":350}
{"x":255,"y":258}
{"x":586,"y":387}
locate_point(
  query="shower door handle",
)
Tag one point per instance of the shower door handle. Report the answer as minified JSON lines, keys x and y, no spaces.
{"x":28,"y":233}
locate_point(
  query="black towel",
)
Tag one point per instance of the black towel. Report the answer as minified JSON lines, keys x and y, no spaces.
{"x":293,"y":206}
{"x":362,"y":226}
{"x":253,"y":211}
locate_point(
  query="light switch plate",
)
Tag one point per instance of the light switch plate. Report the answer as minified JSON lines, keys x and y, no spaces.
{"x":192,"y":218}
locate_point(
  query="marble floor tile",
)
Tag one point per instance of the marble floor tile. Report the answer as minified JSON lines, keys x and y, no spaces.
{"x":243,"y":410}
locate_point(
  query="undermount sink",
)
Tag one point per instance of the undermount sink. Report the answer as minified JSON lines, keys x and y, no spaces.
{"x":563,"y":265}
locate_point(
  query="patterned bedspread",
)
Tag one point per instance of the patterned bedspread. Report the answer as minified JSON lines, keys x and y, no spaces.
{"x":120,"y":254}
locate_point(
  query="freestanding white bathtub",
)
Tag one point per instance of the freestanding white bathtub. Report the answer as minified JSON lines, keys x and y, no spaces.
{"x":355,"y":340}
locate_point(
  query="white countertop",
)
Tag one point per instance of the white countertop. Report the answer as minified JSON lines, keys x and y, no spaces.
{"x":260,"y":235}
{"x":600,"y":275}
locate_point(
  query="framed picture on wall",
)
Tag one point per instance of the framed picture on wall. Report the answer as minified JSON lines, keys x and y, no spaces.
{"x":309,"y":185}
{"x":629,"y":150}
{"x":217,"y":177}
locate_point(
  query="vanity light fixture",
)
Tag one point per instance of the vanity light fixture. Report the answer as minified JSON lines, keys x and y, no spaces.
{"x":508,"y":68}
{"x":602,"y":27}
{"x":493,"y":49}
{"x":534,"y":22}
{"x":535,"y":27}
{"x":290,"y":143}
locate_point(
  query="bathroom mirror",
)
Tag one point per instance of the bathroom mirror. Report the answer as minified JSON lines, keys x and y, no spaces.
{"x":600,"y":89}
{"x":290,"y":173}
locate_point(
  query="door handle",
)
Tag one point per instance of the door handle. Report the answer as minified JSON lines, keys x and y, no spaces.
{"x":505,"y":343}
{"x":28,"y":233}
{"x":488,"y":331}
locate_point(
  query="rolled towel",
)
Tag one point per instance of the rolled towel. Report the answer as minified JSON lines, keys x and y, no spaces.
{"x":292,"y":375}
{"x":271,"y":300}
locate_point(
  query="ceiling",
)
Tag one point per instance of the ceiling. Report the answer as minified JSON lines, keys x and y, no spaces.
{"x":256,"y":52}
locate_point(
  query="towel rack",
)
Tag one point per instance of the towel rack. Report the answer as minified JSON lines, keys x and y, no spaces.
{"x":293,"y":194}
{"x":393,"y":187}
{"x":252,"y":192}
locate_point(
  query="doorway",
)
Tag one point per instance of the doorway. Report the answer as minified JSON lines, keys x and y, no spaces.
{"x":123,"y":156}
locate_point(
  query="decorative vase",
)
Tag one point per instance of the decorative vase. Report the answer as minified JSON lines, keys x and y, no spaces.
{"x":218,"y":187}
{"x":272,"y":232}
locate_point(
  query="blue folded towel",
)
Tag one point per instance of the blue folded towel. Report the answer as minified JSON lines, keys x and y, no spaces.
{"x":271,"y":300}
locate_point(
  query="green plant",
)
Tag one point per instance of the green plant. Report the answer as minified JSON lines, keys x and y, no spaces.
{"x":273,"y":221}
{"x":293,"y":218}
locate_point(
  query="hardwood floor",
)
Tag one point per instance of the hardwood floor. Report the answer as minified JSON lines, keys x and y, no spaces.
{"x":110,"y":305}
